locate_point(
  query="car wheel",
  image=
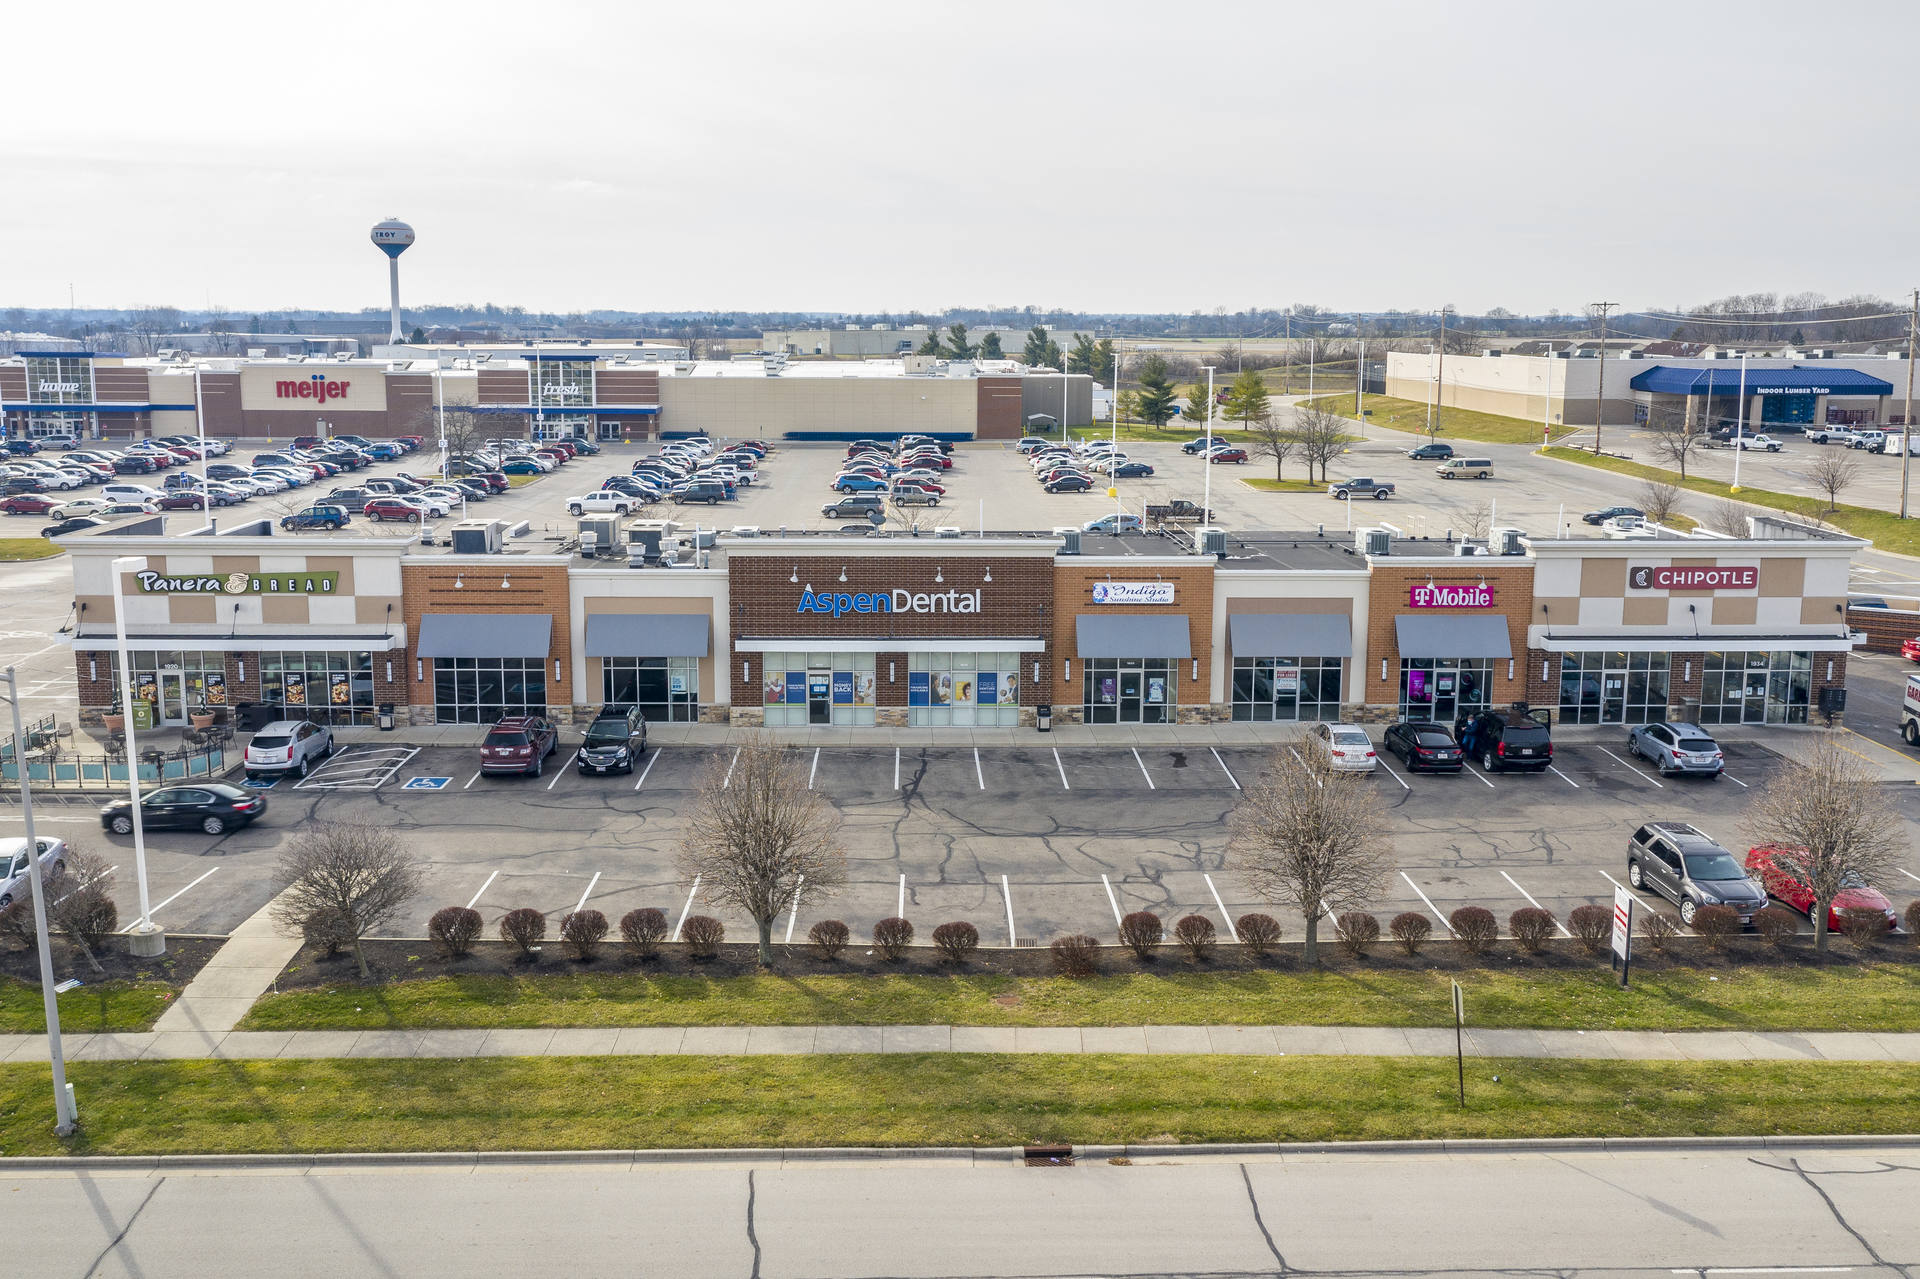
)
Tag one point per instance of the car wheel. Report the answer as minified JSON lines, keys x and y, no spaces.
{"x":1446,"y":475}
{"x":574,"y":509}
{"x":1687,"y":908}
{"x":1381,"y":496}
{"x":1486,"y":761}
{"x":214,"y":826}
{"x":1911,"y":731}
{"x":539,"y":767}
{"x":123,"y":825}
{"x":302,"y":770}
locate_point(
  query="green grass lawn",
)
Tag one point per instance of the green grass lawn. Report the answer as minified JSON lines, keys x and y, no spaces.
{"x":1884,"y":528}
{"x":111,"y":1005}
{"x":1177,"y":431}
{"x":14,"y":549}
{"x":1285,"y":486}
{"x":1455,"y":424}
{"x":1844,"y":997}
{"x":233,"y":1107}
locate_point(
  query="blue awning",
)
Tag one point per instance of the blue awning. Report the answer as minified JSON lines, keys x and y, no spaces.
{"x":648,"y":635}
{"x":1132,"y":635}
{"x":123,"y":406}
{"x":485,"y":635}
{"x":1665,"y":380}
{"x":1290,"y":634}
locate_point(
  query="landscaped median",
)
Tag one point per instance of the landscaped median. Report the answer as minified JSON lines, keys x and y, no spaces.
{"x":1412,"y":416}
{"x":15,"y":549}
{"x":574,"y":1103}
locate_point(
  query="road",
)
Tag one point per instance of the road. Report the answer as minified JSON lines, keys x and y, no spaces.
{"x":1698,"y":1212}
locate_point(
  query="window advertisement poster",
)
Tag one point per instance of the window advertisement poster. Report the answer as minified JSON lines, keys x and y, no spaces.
{"x":677,"y":682}
{"x":216,"y":688}
{"x":963,"y":690}
{"x":843,"y":688}
{"x":989,"y":693}
{"x":1106,"y":690}
{"x":942,"y":688}
{"x":1443,"y":683}
{"x":776,"y":694}
{"x":863,"y":688}
{"x":919,"y":691}
{"x":339,"y":688}
{"x":1417,"y":686}
{"x":796,"y":688}
{"x":1009,"y":690}
{"x":296,"y":686}
{"x":1286,"y":679}
{"x":146,"y":686}
{"x":1156,"y":690}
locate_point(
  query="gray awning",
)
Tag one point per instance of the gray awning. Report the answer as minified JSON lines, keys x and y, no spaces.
{"x":1452,"y":636}
{"x":648,"y":635}
{"x":1132,"y":635}
{"x":485,"y":635}
{"x":1290,"y":634}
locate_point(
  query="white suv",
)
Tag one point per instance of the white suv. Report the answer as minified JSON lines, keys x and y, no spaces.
{"x":288,"y":746}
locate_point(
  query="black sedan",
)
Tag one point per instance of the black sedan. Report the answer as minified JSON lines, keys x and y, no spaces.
{"x":1426,"y":747}
{"x":74,"y":525}
{"x":213,"y":807}
{"x":1069,"y":484}
{"x":1131,"y":471}
{"x":1609,"y":512}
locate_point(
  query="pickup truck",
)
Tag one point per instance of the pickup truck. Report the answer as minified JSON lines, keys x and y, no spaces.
{"x":602,"y":502}
{"x":1347,"y":490}
{"x":1178,"y":511}
{"x":1830,"y":435}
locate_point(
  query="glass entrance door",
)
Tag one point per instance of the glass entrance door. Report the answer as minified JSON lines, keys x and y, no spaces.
{"x":819,"y":697}
{"x":1753,"y":707}
{"x":608,"y":429}
{"x":1130,"y":692}
{"x":173,"y":697}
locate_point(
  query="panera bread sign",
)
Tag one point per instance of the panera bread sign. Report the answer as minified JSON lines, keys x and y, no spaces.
{"x":1720,"y":577}
{"x":152,"y":583}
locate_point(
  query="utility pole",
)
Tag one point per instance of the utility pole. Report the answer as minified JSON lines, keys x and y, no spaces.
{"x":1906,"y":414}
{"x":1600,"y":389}
{"x":1439,"y":373}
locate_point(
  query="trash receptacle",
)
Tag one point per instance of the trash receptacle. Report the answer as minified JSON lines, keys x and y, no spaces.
{"x":1043,"y":718}
{"x":386,"y":717}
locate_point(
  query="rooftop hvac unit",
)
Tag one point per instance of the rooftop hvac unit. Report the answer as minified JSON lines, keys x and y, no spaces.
{"x":1373,"y":541}
{"x":1465,"y":549}
{"x":744,"y":530}
{"x":478,"y":537}
{"x":946,"y":530}
{"x":1213,"y":541}
{"x":600,"y":535}
{"x":1506,"y":541}
{"x":1070,"y":541}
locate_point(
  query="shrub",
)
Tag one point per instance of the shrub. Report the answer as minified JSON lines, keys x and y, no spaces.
{"x":1358,"y":931}
{"x":1658,"y":929}
{"x":455,"y":929}
{"x":1776,"y":925}
{"x":1074,"y":956}
{"x":326,"y":931}
{"x":956,"y":941}
{"x":16,"y":920}
{"x":1531,"y":927}
{"x":1474,"y":928}
{"x":892,"y":936}
{"x":1140,"y":932}
{"x":583,"y":931}
{"x":1195,"y":935}
{"x":524,"y":927}
{"x":1410,"y":928}
{"x":643,"y":930}
{"x":1863,"y":928}
{"x":1257,"y":932}
{"x":1592,"y":927}
{"x":88,"y":918}
{"x":1717,"y":925}
{"x":703,"y":935}
{"x":829,"y":937}
{"x":1913,"y":919}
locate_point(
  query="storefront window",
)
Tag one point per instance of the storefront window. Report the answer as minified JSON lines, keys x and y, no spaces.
{"x":564,"y":384}
{"x":1286,"y":688}
{"x":479,"y":690}
{"x":1788,"y":408}
{"x":328,"y":688}
{"x":59,"y":380}
{"x":1756,"y":688}
{"x":1129,"y":690}
{"x":1613,"y":687}
{"x":1445,"y":688}
{"x":817,"y":688}
{"x":561,"y":426}
{"x":178,"y":683}
{"x":41,"y":425}
{"x":666,"y":689}
{"x":963,"y":688}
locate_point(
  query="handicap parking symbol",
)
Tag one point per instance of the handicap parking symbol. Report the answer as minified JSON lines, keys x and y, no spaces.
{"x":427,"y":783}
{"x":260,"y":783}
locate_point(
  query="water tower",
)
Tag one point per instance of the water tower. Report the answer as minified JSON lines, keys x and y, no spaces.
{"x":394,"y":237}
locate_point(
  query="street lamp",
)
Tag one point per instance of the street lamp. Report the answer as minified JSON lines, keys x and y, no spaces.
{"x":1206,"y":456}
{"x":144,"y":939}
{"x":63,"y":1108}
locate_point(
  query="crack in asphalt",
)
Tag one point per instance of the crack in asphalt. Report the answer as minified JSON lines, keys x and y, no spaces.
{"x":1793,"y":1165}
{"x":115,"y":1241}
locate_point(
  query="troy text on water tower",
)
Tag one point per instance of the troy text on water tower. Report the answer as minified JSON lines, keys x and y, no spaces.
{"x":394,"y":237}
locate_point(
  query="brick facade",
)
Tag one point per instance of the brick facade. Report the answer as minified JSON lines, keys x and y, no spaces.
{"x":472,"y":585}
{"x":1192,"y":600}
{"x":1511,"y":580}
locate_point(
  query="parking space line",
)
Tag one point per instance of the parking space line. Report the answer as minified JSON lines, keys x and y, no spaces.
{"x":472,"y":780}
{"x":728,"y":779}
{"x":1013,"y":939}
{"x":383,"y":760}
{"x":1910,"y":875}
{"x":649,"y":768}
{"x":686,"y":909}
{"x":1062,"y":767}
{"x":1477,"y":773}
{"x":1529,"y":896}
{"x":77,"y":887}
{"x":1390,"y":773}
{"x":794,"y":916}
{"x":1303,"y":763}
{"x":1430,"y":906}
{"x":563,"y":770}
{"x":1216,"y":759}
{"x":1143,"y":767}
{"x":1735,"y":780}
{"x":483,"y":889}
{"x":582,"y":903}
{"x":1563,"y":777}
{"x":896,"y":768}
{"x":155,"y":909}
{"x":815,"y":769}
{"x":1629,"y":767}
{"x":978,"y":776}
{"x":1112,"y":900}
{"x":900,"y":904}
{"x":1639,"y":897}
{"x":1232,"y":932}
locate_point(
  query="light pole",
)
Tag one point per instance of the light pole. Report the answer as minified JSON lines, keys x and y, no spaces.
{"x":63,"y":1108}
{"x":1600,"y":385}
{"x":1206,"y":457}
{"x":143,"y":938}
{"x":1739,"y":422}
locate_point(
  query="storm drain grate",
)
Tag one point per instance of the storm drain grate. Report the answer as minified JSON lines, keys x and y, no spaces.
{"x":1048,"y":1156}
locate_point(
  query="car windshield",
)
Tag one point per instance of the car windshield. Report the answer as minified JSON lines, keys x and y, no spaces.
{"x":270,"y":743}
{"x":1349,"y":737}
{"x":610,"y":732}
{"x":506,"y":739}
{"x":1526,"y":735}
{"x":1713,"y":866}
{"x":1434,"y":739}
{"x":1694,"y":744}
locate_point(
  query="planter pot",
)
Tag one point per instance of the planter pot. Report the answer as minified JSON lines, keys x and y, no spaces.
{"x":115,"y":723}
{"x":201,"y":721}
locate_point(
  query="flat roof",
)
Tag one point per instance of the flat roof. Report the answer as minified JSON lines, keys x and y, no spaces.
{"x":1307,"y":550}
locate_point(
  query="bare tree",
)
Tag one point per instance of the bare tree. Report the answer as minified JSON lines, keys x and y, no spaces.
{"x":149,"y":324}
{"x":758,"y":835}
{"x":346,"y":879}
{"x":1825,"y":822}
{"x":1675,"y":437}
{"x":1311,"y":837}
{"x":1659,"y":500}
{"x":1833,"y":472}
{"x":1729,"y":517}
{"x":1270,"y":439}
{"x":1473,"y":521}
{"x":1322,"y":437}
{"x":80,"y":903}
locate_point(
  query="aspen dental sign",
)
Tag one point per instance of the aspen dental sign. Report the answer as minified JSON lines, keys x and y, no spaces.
{"x":839,"y":603}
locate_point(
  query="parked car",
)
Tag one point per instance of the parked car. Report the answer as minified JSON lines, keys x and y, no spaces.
{"x":1237,"y":456}
{"x":524,"y":466}
{"x":712,"y":492}
{"x":287,"y":746}
{"x":1132,"y":471}
{"x":394,"y":508}
{"x":30,"y":504}
{"x":518,"y":744}
{"x":180,"y":500}
{"x":78,"y":506}
{"x":1348,"y":747}
{"x":1606,"y":513}
{"x":1678,"y":861}
{"x":1198,"y":444}
{"x":855,"y":505}
{"x":616,"y":738}
{"x":1425,"y":746}
{"x":78,"y":524}
{"x":327,"y":516}
{"x":23,"y":445}
{"x":1114,"y":524}
{"x":602,"y":502}
{"x":213,"y":807}
{"x":1465,"y":468}
{"x":1347,"y":490}
{"x":1431,"y":452}
{"x":847,"y":482}
{"x":1677,"y":748}
{"x":1785,"y":882}
{"x":1069,"y":484}
{"x":15,"y":871}
{"x":1505,"y":739}
{"x":1910,"y":649}
{"x":914,"y":495}
{"x":1762,"y":443}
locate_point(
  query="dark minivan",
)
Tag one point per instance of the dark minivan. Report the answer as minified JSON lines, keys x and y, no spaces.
{"x":1506,"y":739}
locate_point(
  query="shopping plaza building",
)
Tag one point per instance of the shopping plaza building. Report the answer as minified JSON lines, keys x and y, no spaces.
{"x":947,"y":631}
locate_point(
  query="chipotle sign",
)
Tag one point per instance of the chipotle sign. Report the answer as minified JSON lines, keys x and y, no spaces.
{"x":1721,"y":577}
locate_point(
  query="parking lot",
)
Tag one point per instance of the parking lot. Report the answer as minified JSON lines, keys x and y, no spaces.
{"x":1027,"y":843}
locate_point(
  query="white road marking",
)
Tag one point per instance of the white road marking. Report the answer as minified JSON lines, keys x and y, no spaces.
{"x":1629,"y":767}
{"x":483,"y":888}
{"x":1477,"y":773}
{"x":1303,"y":763}
{"x":1143,"y":767}
{"x":471,"y":780}
{"x":1111,"y":899}
{"x":383,"y":760}
{"x":978,"y":776}
{"x":1563,"y":777}
{"x":1765,"y":1270}
{"x":1910,"y":875}
{"x":811,"y":771}
{"x":563,"y":770}
{"x":1062,"y":767}
{"x":1382,"y":761}
{"x":648,"y":769}
{"x":1012,"y":939}
{"x":728,"y":779}
{"x":896,"y":768}
{"x":795,"y":915}
{"x":686,"y":909}
{"x":1640,"y":897}
{"x":1217,"y":760}
{"x":900,"y":904}
{"x":1231,"y":931}
{"x":582,"y":903}
{"x":155,"y":909}
{"x":1736,"y":781}
{"x":1423,"y":897}
{"x":1529,"y":896}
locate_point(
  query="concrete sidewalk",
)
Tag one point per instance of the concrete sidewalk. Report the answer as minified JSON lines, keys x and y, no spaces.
{"x":658,"y":1041}
{"x":219,"y":995}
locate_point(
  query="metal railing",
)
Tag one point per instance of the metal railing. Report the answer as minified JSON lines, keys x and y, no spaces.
{"x":40,"y":733}
{"x":56,"y":768}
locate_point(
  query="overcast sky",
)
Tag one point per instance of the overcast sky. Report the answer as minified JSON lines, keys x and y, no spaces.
{"x":1102,"y":156}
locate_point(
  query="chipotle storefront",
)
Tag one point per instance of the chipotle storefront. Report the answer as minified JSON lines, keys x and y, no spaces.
{"x":933,"y":632}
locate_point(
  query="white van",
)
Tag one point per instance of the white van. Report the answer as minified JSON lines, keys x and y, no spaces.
{"x":1910,"y":711}
{"x":1465,"y":468}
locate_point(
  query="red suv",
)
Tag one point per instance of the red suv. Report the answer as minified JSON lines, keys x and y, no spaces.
{"x":1784,"y":886}
{"x":386,"y":508}
{"x":1910,"y":649}
{"x":29,"y":504}
{"x":519,"y":744}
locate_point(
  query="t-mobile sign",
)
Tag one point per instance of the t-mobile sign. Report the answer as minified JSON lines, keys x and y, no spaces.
{"x":1450,"y":595}
{"x":1667,"y":577}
